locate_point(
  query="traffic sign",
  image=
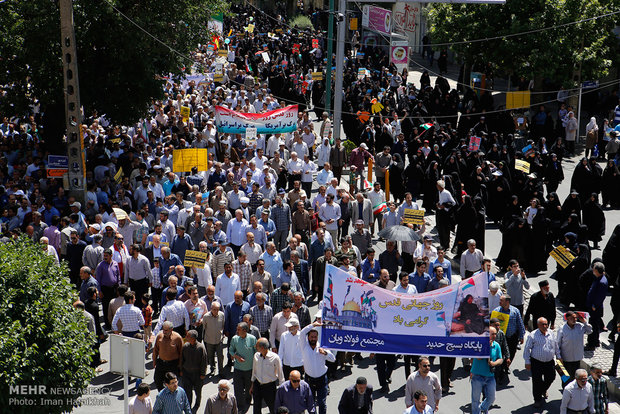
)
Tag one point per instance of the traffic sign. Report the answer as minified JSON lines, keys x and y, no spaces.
{"x":56,"y":172}
{"x":57,"y":161}
{"x":589,"y":84}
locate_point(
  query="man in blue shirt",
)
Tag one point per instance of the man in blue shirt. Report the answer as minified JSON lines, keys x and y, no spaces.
{"x":515,"y":331}
{"x":295,"y":394}
{"x":483,"y":378}
{"x":370,"y":267}
{"x":420,"y":278}
{"x":172,"y":399}
{"x":443,"y":262}
{"x":594,"y":303}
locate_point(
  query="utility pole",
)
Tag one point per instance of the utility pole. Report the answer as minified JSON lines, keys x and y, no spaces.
{"x":73,"y":115}
{"x":342,"y":26}
{"x":330,"y":51}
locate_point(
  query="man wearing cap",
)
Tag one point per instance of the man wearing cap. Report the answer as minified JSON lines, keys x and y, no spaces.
{"x":542,"y":304}
{"x":356,"y":398}
{"x":193,"y":367}
{"x":314,"y":358}
{"x":290,"y":348}
{"x":570,"y":341}
{"x":358,"y":158}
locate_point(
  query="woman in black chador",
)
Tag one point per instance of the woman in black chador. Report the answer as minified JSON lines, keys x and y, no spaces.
{"x":469,"y":314}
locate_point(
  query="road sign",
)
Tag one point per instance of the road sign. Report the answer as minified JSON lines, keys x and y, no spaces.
{"x":57,"y":161}
{"x":56,"y":172}
{"x":589,"y":84}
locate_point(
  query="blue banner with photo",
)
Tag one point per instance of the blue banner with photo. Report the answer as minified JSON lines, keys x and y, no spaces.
{"x":362,"y":317}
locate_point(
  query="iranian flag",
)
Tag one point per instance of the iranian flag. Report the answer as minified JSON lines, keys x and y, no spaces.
{"x":379,"y":208}
{"x":426,"y":125}
{"x":367,"y":185}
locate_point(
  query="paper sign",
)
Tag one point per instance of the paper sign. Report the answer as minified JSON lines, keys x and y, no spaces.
{"x":522,"y":166}
{"x":562,"y":256}
{"x":361,"y":72}
{"x":222,"y":52}
{"x":250,"y":28}
{"x":315,"y":43}
{"x":317,"y":76}
{"x":584,"y":315}
{"x":265,"y":56}
{"x":474,"y":144}
{"x":118,"y":177}
{"x":250,"y":135}
{"x":413,"y":216}
{"x":503,"y":319}
{"x":353,"y":23}
{"x":519,"y":121}
{"x":119,"y":213}
{"x":194,"y":258}
{"x":184,"y":159}
{"x":185,"y":113}
{"x":296,"y":47}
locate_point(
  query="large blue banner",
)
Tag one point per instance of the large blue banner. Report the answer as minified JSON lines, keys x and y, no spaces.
{"x":362,"y":317}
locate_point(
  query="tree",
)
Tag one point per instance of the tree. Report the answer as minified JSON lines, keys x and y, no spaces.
{"x":119,"y":65}
{"x":43,"y":339}
{"x":557,"y":54}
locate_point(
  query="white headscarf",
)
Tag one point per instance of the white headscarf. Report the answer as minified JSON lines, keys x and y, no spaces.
{"x":592,"y":125}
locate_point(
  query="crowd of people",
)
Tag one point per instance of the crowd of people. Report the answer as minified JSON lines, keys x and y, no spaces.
{"x":267,"y":231}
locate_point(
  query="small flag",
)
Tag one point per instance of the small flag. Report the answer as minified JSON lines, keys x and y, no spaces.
{"x":367,"y":185}
{"x":145,"y":131}
{"x":426,"y":125}
{"x":469,"y":283}
{"x":380,"y":208}
{"x":441,"y":316}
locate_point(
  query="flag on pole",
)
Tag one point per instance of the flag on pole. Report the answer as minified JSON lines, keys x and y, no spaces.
{"x":145,"y":131}
{"x":379,"y":208}
{"x":367,"y":185}
{"x":426,"y":125}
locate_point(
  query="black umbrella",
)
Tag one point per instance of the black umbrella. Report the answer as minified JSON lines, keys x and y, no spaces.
{"x":399,"y":233}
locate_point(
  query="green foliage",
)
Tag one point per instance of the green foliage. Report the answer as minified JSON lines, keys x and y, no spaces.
{"x":301,"y":22}
{"x":118,"y":64}
{"x":556,"y":54}
{"x":43,"y":339}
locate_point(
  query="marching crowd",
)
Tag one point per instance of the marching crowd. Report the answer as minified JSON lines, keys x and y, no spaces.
{"x":266,"y":235}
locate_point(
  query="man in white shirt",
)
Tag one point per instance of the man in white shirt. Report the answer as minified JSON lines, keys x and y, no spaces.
{"x":314,"y":358}
{"x":471,"y":259}
{"x":404,"y":286}
{"x":330,"y":214}
{"x":290,"y":348}
{"x":227,"y":284}
{"x":308,"y":168}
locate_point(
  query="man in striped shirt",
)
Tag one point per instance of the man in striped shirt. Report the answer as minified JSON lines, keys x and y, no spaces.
{"x":539,"y":352}
{"x":175,"y":312}
{"x":172,"y":399}
{"x":130,"y":317}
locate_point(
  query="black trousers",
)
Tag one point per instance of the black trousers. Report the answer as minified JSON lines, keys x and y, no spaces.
{"x":160,"y":371}
{"x":191,"y":381}
{"x":444,"y":226}
{"x":180,"y":330}
{"x":543,"y":375}
{"x":109,"y":293}
{"x":596,"y":320}
{"x":446,"y":366}
{"x":287,"y":369}
{"x":385,"y":366}
{"x":616,"y":357}
{"x":571,"y":367}
{"x":408,"y":361}
{"x":156,"y":299}
{"x":265,"y":392}
{"x":140,"y":287}
{"x":513,"y":341}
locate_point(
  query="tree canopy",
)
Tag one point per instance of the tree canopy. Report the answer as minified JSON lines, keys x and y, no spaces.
{"x":556,"y":54}
{"x":118,"y":64}
{"x":43,"y":339}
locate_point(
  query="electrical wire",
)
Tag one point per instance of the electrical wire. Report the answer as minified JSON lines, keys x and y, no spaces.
{"x":189,"y":58}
